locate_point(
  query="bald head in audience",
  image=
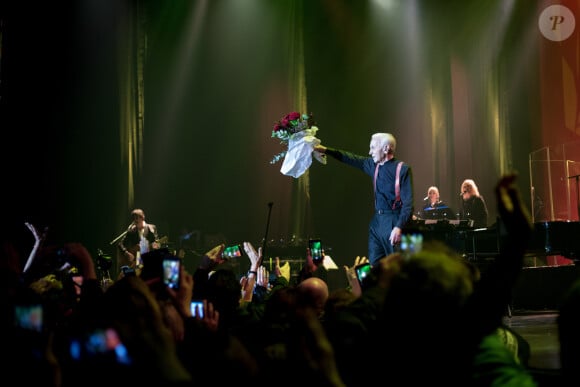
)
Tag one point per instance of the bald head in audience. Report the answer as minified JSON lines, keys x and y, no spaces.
{"x":314,"y":292}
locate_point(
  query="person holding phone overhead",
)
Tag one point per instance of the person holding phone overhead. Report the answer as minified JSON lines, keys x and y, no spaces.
{"x":140,"y":238}
{"x":393,"y":191}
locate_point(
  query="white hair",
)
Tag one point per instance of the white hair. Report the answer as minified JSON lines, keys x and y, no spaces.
{"x":471,"y":183}
{"x":433,"y":188}
{"x":385,"y":138}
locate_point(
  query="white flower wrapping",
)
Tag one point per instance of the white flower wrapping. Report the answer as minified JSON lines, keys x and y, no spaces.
{"x":300,"y":150}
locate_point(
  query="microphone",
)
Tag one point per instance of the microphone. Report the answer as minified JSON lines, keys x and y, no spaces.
{"x":426,"y":198}
{"x":270,"y":204}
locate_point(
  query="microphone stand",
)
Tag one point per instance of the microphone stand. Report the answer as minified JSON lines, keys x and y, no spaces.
{"x":111,"y":243}
{"x":118,"y":238}
{"x":266,"y":234}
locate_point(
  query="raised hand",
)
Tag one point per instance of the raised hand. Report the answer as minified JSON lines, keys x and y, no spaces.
{"x":211,"y":316}
{"x":254,"y":256}
{"x":213,"y":258}
{"x":263,"y":277}
{"x":38,"y":239}
{"x":514,"y":215}
{"x":182,"y":297}
{"x":351,"y":275}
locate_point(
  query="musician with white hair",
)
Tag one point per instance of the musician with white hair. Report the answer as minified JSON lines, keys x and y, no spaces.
{"x":392,"y":181}
{"x":473,"y":205}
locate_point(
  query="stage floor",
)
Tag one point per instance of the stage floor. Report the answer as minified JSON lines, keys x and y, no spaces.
{"x":540,"y":330}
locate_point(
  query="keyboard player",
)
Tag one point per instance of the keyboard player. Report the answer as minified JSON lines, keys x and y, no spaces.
{"x":434,"y":207}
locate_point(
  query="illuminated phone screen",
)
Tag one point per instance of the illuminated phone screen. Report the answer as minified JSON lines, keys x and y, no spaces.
{"x":171,"y":272}
{"x":197,"y":309}
{"x":315,"y":249}
{"x":232,"y":252}
{"x":362,"y":271}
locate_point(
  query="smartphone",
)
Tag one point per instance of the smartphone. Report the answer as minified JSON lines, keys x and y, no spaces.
{"x":362,"y":271}
{"x":29,"y":317}
{"x":234,"y":251}
{"x":197,"y":308}
{"x":315,"y":246}
{"x":127,"y":271}
{"x":99,"y":344}
{"x":411,"y":243}
{"x":171,"y":272}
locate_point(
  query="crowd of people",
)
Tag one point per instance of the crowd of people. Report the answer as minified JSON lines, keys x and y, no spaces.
{"x":430,"y":317}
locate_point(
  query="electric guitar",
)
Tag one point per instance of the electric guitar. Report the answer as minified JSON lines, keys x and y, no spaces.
{"x":137,"y":263}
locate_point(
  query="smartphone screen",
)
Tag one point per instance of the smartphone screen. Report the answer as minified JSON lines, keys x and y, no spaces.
{"x":234,"y":251}
{"x":127,"y":271}
{"x":315,"y":246}
{"x":362,"y":271}
{"x":99,"y":344}
{"x":29,"y":317}
{"x":171,"y":272}
{"x":197,"y":308}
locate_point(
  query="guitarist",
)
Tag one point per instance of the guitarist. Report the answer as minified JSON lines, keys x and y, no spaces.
{"x":140,"y":238}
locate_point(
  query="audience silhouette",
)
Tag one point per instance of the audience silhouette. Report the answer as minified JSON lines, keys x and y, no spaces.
{"x":426,"y":318}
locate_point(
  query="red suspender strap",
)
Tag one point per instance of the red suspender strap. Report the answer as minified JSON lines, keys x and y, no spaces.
{"x":375,"y":183}
{"x":397,"y":185}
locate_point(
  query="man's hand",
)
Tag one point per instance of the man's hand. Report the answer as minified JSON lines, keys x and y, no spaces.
{"x":310,"y":266}
{"x":182,"y":297}
{"x":38,"y":239}
{"x":263,"y":277}
{"x":395,"y":236}
{"x":351,"y":275}
{"x":320,"y":148}
{"x":212,"y":258}
{"x":254,"y":256}
{"x":514,"y":215}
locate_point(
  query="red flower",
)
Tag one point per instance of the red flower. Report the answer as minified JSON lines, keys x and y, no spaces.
{"x":289,"y":125}
{"x":293,"y":116}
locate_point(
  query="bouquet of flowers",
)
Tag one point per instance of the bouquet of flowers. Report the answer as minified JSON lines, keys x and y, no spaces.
{"x":297,"y":132}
